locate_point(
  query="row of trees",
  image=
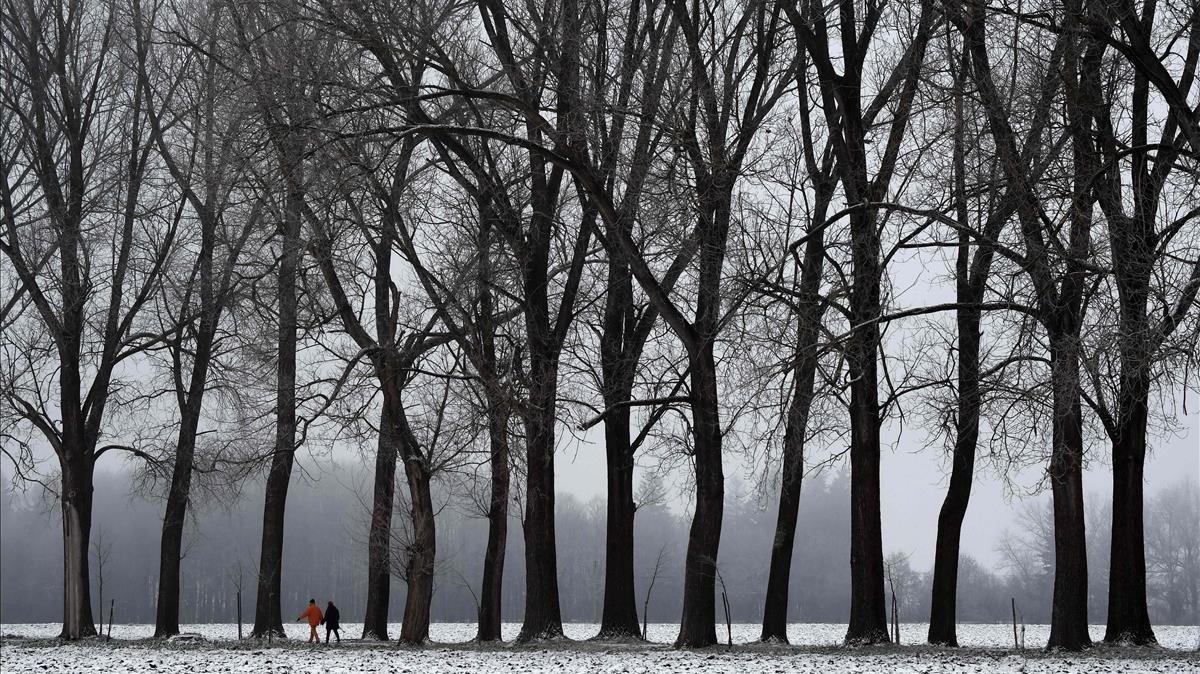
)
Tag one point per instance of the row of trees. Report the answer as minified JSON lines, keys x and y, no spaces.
{"x":326,"y":554}
{"x":451,"y":230}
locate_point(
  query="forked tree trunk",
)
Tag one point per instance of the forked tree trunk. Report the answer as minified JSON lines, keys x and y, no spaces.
{"x":697,"y":627}
{"x":379,"y":538}
{"x":76,"y":503}
{"x":943,"y":625}
{"x":422,"y":556}
{"x":491,"y":592}
{"x":1068,"y":616}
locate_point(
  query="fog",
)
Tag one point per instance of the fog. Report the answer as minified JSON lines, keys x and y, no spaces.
{"x":329,"y":501}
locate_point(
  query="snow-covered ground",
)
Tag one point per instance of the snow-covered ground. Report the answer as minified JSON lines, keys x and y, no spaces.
{"x":815,"y":648}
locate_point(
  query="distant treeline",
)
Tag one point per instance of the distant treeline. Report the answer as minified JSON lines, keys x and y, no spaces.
{"x":326,"y":555}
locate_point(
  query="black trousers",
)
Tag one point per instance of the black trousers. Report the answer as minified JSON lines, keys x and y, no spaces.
{"x":336,"y":632}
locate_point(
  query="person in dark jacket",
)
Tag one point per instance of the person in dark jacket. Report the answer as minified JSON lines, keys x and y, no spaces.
{"x":332,"y":615}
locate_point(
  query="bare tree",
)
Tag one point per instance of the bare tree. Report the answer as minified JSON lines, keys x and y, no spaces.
{"x":86,"y":244}
{"x":849,"y":123}
{"x":102,"y":550}
{"x":285,"y":61}
{"x":393,"y":347}
{"x":980,"y":233}
{"x":715,"y":145}
{"x":1144,"y":247}
{"x":208,"y":124}
{"x":1059,"y":274}
{"x":625,"y":138}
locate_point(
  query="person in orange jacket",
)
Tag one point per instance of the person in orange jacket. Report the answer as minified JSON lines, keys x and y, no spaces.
{"x":314,"y":618}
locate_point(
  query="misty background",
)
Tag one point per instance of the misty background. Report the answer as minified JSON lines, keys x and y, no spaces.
{"x":1007,"y":540}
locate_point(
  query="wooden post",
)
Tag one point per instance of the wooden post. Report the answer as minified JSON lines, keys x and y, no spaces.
{"x":111,"y":603}
{"x":895,"y":619}
{"x":1016,"y":644}
{"x":728,"y":624}
{"x":239,"y":613}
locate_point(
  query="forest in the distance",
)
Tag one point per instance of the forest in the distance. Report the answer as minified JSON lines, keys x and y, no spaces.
{"x":326,"y":554}
{"x":449,"y":237}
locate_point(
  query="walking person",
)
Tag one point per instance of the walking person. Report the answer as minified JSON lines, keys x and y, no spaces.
{"x":332,"y":616}
{"x":314,"y":618}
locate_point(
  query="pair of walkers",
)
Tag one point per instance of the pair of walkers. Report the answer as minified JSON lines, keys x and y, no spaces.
{"x":329,"y":619}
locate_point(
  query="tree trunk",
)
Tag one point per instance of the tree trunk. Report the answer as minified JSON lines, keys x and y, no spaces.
{"x":166,"y":621}
{"x":804,"y":370}
{"x":491,"y":592}
{"x":619,"y":619}
{"x":543,"y":617}
{"x":1128,"y":618}
{"x":379,"y":540}
{"x":774,"y":626}
{"x":943,"y":625}
{"x":1132,"y":244}
{"x":1068,"y":616}
{"x":697,"y":628}
{"x":76,"y":503}
{"x":415,"y":628}
{"x":868,"y":606}
{"x":267,"y":617}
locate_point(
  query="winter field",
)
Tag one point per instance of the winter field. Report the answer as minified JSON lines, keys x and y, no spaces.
{"x":815,"y":648}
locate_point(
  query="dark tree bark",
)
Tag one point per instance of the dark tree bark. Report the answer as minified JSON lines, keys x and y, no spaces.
{"x":698,"y":625}
{"x":1135,"y":243}
{"x":1063,"y":322}
{"x":1128,"y":616}
{"x":543,"y":617}
{"x":166,"y":617}
{"x":392,"y":351}
{"x":868,"y":613}
{"x":1068,"y":614}
{"x":848,"y":120}
{"x":213,"y":283}
{"x":804,"y":369}
{"x":716,"y":171}
{"x":491,"y":592}
{"x":267,"y":615}
{"x":482,"y":351}
{"x":646,"y":48}
{"x":1059,"y":308}
{"x":805,"y":360}
{"x":379,"y":538}
{"x":422,"y":552}
{"x":76,"y":504}
{"x":80,"y":131}
{"x":944,"y":597}
{"x":619,"y":618}
{"x":971,"y":276}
